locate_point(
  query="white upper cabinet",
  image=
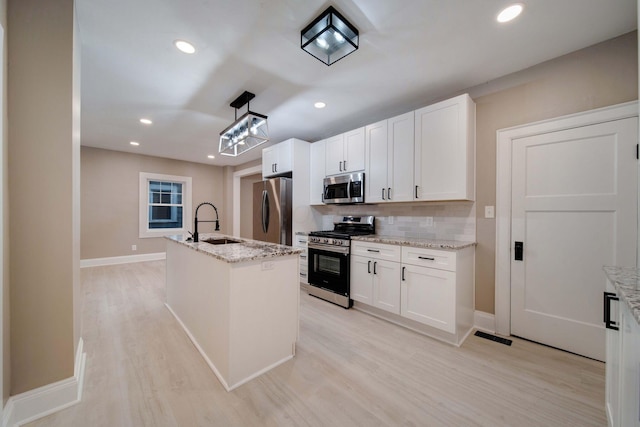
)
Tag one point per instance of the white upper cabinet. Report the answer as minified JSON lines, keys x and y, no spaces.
{"x":376,"y":162}
{"x":317,"y":172}
{"x":400,"y":158}
{"x":389,"y":160}
{"x":277,"y":159}
{"x":345,"y":152}
{"x":445,"y":150}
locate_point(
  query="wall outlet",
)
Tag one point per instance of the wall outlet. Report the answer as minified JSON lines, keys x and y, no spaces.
{"x":489,"y":212}
{"x":267,"y":265}
{"x":134,"y":248}
{"x":428,"y":221}
{"x":390,"y":219}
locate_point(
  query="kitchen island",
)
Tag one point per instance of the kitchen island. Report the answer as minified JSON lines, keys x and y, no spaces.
{"x":237,"y":302}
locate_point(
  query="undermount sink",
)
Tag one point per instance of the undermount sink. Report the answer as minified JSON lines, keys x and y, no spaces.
{"x":222,"y":241}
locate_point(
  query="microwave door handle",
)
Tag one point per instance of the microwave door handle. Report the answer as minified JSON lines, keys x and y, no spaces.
{"x":349,"y":190}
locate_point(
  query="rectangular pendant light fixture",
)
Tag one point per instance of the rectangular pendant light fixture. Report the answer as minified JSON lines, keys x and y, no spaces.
{"x":246,"y":132}
{"x":330,"y":37}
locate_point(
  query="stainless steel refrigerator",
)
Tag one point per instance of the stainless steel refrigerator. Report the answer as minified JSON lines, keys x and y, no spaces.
{"x":272,"y":211}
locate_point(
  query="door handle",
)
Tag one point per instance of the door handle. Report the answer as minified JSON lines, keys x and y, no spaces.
{"x":518,"y":251}
{"x":426,"y":258}
{"x":374,"y":267}
{"x":369,"y":267}
{"x":340,"y":166}
{"x":265,"y":211}
{"x":389,"y":193}
{"x":608,"y":323}
{"x":275,"y":166}
{"x":344,"y":165}
{"x":383,"y":194}
{"x":403,"y":269}
{"x":416,"y":191}
{"x":373,"y":250}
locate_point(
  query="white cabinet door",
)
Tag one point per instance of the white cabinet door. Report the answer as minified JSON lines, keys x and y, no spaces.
{"x":269,"y":160}
{"x":284,"y":162}
{"x":444,"y":150}
{"x":353,"y":151}
{"x":334,"y":155}
{"x":376,"y":162}
{"x":361,"y":280}
{"x":386,"y":285}
{"x":401,"y":131}
{"x":428,"y":296}
{"x":316,"y":172}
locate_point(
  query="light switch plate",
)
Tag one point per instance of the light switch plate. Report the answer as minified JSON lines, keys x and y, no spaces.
{"x":428,"y":221}
{"x":390,"y":219}
{"x":489,"y":212}
{"x":267,"y":265}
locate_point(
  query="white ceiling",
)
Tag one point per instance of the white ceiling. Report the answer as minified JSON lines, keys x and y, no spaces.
{"x":412,"y":52}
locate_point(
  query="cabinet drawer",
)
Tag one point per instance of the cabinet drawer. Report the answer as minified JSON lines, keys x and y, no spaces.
{"x":300,"y":241}
{"x":433,"y":258}
{"x":376,"y":250}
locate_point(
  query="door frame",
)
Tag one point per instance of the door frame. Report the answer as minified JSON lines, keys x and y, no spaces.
{"x":504,"y":141}
{"x":237,"y":176}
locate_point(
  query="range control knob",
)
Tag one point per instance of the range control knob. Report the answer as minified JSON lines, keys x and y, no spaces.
{"x":337,"y":242}
{"x":326,"y":241}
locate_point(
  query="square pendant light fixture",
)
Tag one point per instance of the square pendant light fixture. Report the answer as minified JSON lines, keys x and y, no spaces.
{"x":246,"y":132}
{"x":330,"y":37}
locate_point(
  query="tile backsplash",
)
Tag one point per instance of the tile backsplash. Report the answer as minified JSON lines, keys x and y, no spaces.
{"x":442,"y":221}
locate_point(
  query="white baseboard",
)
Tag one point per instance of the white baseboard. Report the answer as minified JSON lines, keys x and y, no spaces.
{"x":484,"y":321}
{"x":40,"y":402}
{"x":96,"y":262}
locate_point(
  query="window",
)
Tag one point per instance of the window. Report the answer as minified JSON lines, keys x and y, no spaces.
{"x":165,"y":204}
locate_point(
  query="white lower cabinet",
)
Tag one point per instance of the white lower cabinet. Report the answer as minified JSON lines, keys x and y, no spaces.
{"x":375,"y":276}
{"x":301,"y":242}
{"x":428,"y":296}
{"x":622,"y":368}
{"x":432,"y":287}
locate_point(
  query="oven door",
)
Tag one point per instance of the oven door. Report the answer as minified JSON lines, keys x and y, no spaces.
{"x":329,"y":269}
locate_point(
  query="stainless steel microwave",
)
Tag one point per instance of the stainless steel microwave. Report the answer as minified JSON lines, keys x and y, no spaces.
{"x":344,"y":189}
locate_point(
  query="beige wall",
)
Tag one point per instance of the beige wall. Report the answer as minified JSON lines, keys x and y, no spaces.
{"x":41,"y":191}
{"x":110,"y":200}
{"x":598,"y":76}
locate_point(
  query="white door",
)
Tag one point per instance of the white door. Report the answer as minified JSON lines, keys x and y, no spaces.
{"x":574,"y":208}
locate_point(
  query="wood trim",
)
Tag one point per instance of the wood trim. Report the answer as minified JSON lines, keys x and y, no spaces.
{"x":40,"y":402}
{"x":504,"y":139}
{"x":96,"y":262}
{"x":484,"y":321}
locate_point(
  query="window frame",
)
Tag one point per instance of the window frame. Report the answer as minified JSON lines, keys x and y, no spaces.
{"x":144,"y":205}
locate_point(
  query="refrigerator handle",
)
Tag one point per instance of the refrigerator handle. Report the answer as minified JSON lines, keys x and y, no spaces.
{"x":265,"y":211}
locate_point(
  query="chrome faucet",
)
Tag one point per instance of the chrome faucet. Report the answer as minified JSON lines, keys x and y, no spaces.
{"x":217,"y":221}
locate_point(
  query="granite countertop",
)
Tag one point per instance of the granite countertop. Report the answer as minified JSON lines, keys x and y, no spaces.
{"x":627,"y":283}
{"x":415,"y":242}
{"x":246,"y":250}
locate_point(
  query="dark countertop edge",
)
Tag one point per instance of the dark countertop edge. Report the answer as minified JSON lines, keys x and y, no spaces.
{"x":415,"y":242}
{"x":218,"y":252}
{"x":629,"y":293}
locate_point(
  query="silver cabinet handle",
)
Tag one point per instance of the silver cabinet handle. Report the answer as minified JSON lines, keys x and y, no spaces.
{"x":426,"y":258}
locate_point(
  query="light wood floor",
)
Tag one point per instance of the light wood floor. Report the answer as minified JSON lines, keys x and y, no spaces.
{"x":350,"y":370}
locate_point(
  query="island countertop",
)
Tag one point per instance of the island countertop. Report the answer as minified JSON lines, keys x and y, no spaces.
{"x":626,"y":280}
{"x":246,"y":250}
{"x":414,"y":242}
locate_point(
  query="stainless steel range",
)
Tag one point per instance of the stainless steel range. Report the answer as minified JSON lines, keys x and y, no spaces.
{"x":329,"y":258}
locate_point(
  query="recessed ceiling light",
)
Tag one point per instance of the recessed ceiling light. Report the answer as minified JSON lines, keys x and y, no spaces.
{"x":134,"y":143}
{"x":211,"y":156}
{"x":319,"y":104}
{"x":185,"y":46}
{"x":146,"y":121}
{"x":510,"y":13}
